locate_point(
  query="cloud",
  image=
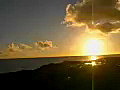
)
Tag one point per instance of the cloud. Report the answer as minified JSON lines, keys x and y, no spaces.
{"x":13,"y":47}
{"x":1,"y":52}
{"x":36,"y":49}
{"x":118,"y":5}
{"x":104,"y":13}
{"x":43,"y":44}
{"x":25,"y":46}
{"x":39,"y":45}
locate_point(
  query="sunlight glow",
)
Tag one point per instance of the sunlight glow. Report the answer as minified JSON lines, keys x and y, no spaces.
{"x":94,"y":46}
{"x":93,"y":58}
{"x":93,"y":63}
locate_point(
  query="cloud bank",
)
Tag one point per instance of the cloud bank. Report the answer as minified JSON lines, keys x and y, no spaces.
{"x":21,"y":50}
{"x":104,"y":13}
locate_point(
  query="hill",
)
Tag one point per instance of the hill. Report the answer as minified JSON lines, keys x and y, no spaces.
{"x":73,"y":75}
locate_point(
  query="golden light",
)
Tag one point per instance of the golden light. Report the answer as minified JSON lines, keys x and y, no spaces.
{"x":94,"y":46}
{"x":93,"y":63}
{"x":93,"y":57}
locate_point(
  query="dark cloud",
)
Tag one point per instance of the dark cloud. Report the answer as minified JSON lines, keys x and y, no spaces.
{"x":105,"y":14}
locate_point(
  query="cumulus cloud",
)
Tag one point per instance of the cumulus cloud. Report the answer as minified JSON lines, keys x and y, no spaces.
{"x":13,"y":47}
{"x":43,"y":44}
{"x":104,"y":13}
{"x":25,"y":46}
{"x":24,"y":50}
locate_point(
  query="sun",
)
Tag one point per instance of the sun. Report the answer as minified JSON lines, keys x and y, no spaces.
{"x":94,"y":46}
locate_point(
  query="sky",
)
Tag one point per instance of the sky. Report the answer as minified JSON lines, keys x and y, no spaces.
{"x":30,"y":21}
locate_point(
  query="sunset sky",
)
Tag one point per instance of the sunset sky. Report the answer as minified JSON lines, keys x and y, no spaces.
{"x":29,"y":21}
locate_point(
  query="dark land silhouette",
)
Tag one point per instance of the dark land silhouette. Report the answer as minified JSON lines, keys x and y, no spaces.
{"x":73,"y":75}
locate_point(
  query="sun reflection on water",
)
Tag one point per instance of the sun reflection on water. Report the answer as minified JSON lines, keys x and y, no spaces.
{"x":93,"y":57}
{"x":92,"y":60}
